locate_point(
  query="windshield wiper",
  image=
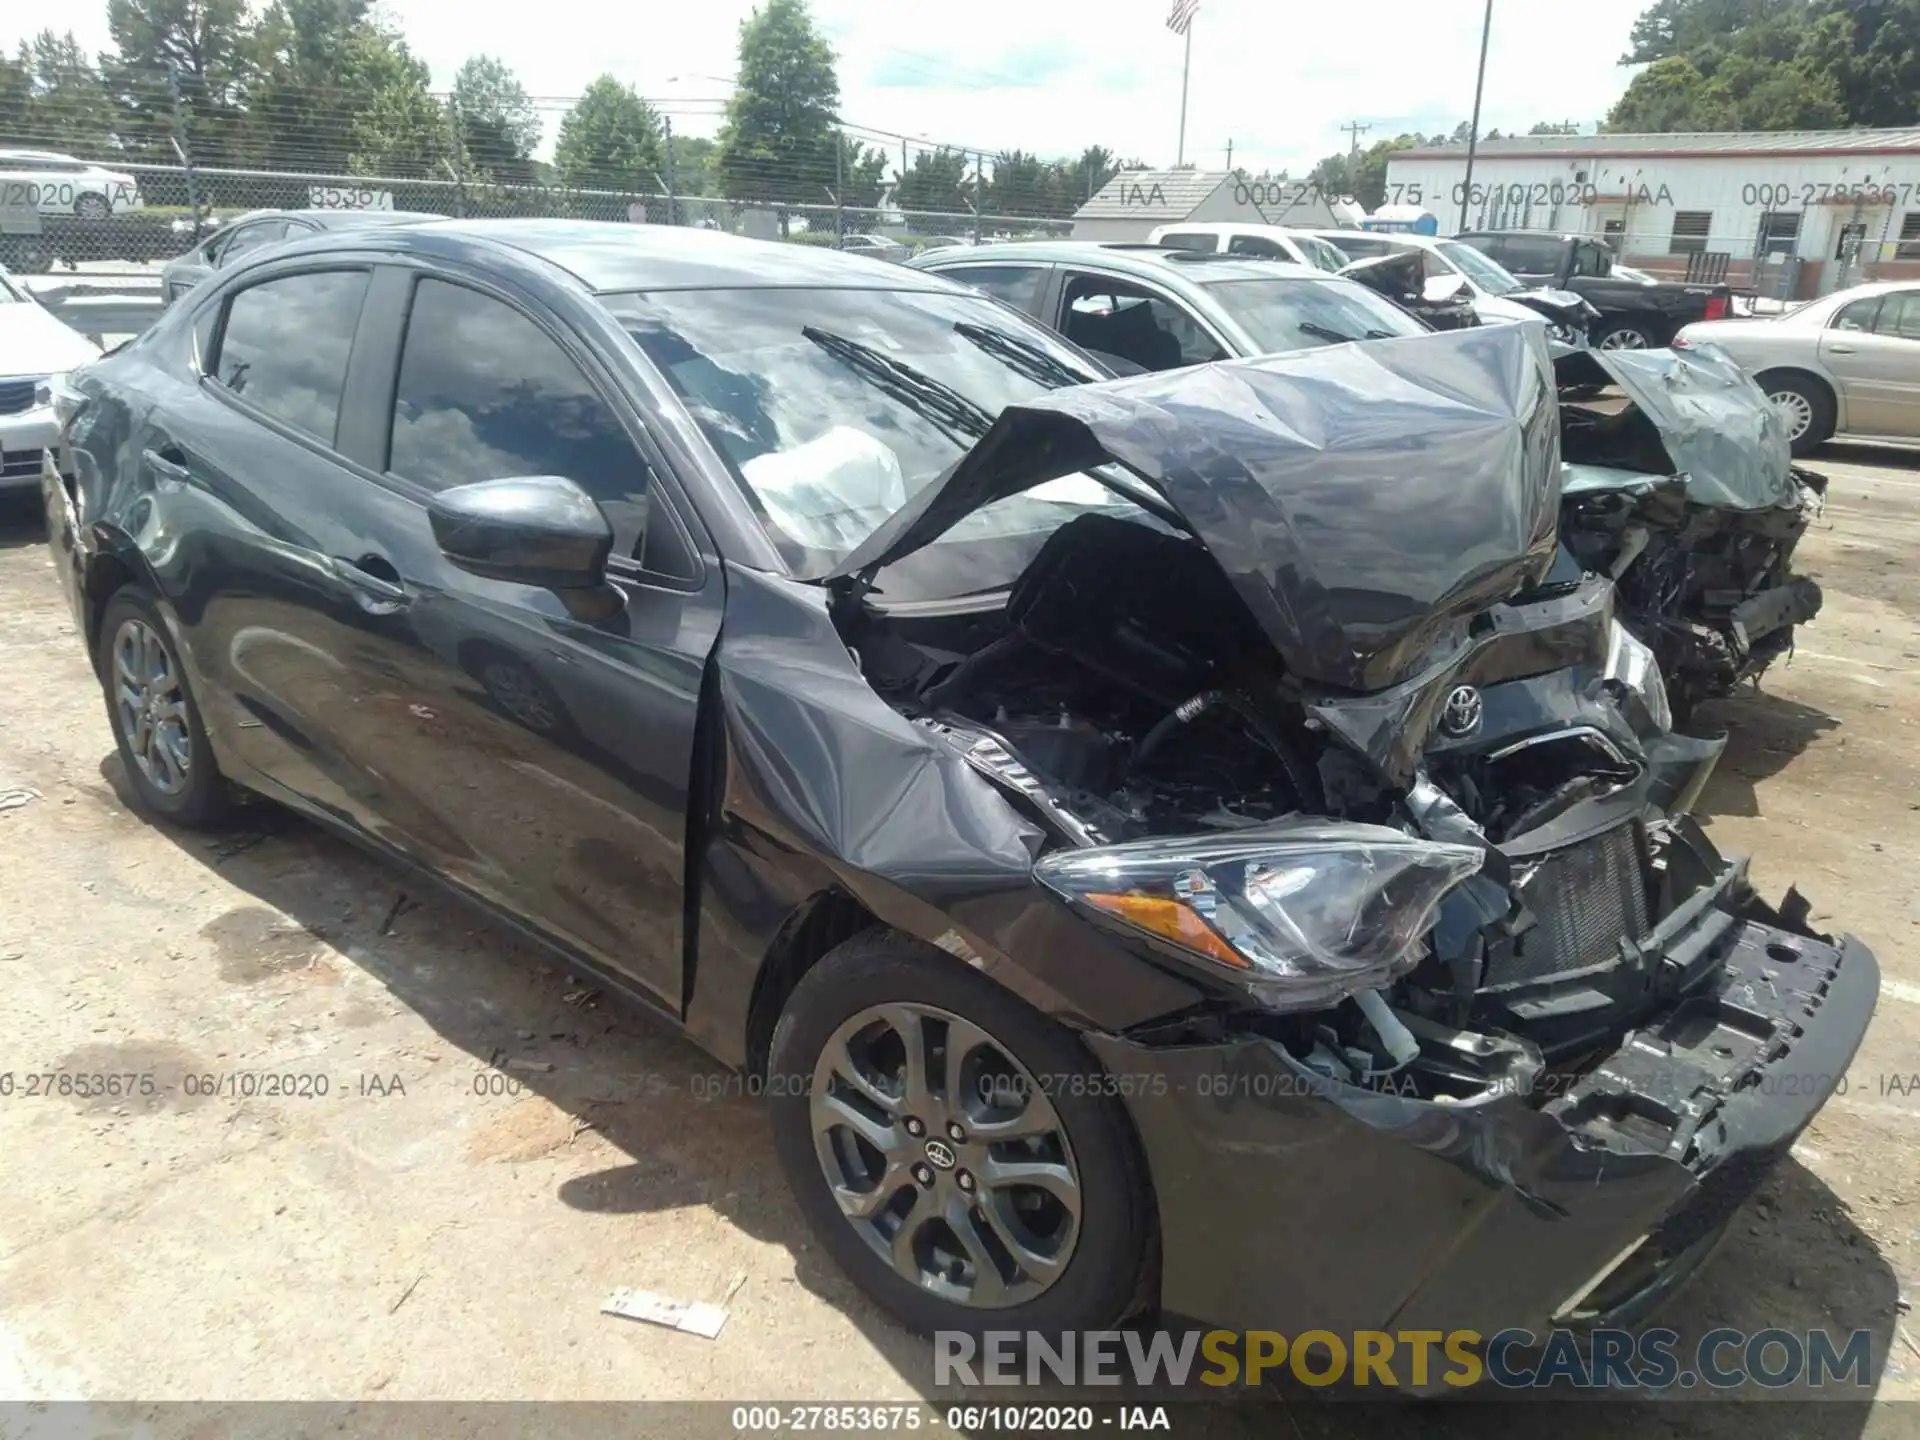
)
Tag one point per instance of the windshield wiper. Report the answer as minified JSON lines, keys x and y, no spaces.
{"x":1321,"y":332}
{"x":932,"y":399}
{"x":1021,"y":356}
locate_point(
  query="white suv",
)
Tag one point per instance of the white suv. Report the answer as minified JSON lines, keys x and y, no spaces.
{"x":55,"y":184}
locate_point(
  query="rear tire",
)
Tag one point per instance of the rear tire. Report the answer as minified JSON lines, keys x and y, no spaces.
{"x":1626,"y":335}
{"x":855,"y":1011}
{"x":1805,"y":404}
{"x":156,"y":721}
{"x":92,"y":207}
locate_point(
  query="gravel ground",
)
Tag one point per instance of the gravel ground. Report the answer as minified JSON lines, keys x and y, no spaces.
{"x":412,"y":1234}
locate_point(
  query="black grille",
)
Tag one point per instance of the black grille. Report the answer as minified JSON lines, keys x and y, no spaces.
{"x":1585,"y":900}
{"x":17,"y":395}
{"x":16,"y":463}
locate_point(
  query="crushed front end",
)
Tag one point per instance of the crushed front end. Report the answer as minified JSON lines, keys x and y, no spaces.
{"x":1491,"y":1034}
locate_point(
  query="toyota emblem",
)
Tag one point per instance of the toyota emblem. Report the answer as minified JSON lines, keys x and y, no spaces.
{"x":1461,"y":715}
{"x":940,"y":1154}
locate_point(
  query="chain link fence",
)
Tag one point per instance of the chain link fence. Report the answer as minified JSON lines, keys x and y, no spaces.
{"x":155,"y":212}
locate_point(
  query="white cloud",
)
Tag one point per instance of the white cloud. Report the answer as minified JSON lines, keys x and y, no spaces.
{"x":1276,"y":80}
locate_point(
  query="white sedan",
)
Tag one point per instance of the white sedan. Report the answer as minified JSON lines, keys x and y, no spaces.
{"x":1846,"y":364}
{"x":55,"y":184}
{"x":36,"y":350}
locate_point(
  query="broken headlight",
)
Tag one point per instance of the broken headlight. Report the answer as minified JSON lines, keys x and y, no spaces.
{"x":1633,"y":666}
{"x":1304,"y":914}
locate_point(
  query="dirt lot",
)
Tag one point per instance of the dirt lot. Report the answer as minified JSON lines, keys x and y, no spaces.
{"x":413,"y":1235}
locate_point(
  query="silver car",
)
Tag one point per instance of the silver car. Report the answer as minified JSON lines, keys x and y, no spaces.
{"x":1847,"y":364}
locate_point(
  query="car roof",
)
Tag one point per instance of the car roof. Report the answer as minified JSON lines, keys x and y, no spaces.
{"x":610,"y":256}
{"x":1230,"y":227}
{"x":333,"y":219}
{"x":1148,"y":262}
{"x":1525,"y":235}
{"x":39,"y":155}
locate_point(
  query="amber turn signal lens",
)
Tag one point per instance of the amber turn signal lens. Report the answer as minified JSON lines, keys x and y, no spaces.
{"x":1172,"y":921}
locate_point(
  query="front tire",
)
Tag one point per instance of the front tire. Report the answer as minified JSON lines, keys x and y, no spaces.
{"x":156,"y":721}
{"x":956,"y":1152}
{"x":1805,"y":404}
{"x":92,"y":207}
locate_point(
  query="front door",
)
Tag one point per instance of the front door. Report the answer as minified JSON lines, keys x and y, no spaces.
{"x":538,"y":753}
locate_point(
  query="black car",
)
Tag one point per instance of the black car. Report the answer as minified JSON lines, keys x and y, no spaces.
{"x":1635,"y":314}
{"x":1156,"y":844}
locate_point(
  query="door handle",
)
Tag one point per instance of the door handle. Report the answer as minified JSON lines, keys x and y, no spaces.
{"x":1842,"y":350}
{"x":163,"y":465}
{"x":375,"y":592}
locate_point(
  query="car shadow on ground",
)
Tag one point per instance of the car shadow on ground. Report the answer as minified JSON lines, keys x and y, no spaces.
{"x":21,"y":521}
{"x":1887,"y":457}
{"x":1765,"y":733}
{"x":690,"y":1133}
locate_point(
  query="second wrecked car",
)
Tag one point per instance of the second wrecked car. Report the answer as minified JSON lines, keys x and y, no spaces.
{"x":1191,"y":842}
{"x":1688,"y":497}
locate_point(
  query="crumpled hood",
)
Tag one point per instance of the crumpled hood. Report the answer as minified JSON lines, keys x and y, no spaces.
{"x":1714,"y":423}
{"x":1361,"y":498}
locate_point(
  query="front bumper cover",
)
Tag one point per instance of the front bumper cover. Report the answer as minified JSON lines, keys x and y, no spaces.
{"x":1289,"y":1201}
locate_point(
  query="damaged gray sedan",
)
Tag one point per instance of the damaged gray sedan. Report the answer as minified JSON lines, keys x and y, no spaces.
{"x":1196,"y":841}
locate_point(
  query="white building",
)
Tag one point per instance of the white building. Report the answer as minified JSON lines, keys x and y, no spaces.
{"x":1137,"y":201}
{"x":1798,"y":213}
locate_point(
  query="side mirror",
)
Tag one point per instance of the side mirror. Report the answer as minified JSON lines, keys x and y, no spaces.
{"x":539,"y":530}
{"x":1441,"y":289}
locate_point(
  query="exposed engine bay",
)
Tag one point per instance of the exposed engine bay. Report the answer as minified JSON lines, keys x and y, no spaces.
{"x":1123,"y":694}
{"x":1708,"y":584}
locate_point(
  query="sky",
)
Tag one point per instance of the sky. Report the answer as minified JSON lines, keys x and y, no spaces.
{"x":1277,"y":80}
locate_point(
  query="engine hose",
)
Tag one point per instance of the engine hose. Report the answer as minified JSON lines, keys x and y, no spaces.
{"x":1180,"y":716}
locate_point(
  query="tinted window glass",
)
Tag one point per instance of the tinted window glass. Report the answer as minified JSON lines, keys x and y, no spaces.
{"x":252,"y":237}
{"x":1258,"y":245}
{"x":1018,"y":285}
{"x":1191,"y":240}
{"x":286,"y":345}
{"x":1359,"y":246}
{"x":1859,"y":315}
{"x":1900,"y":315}
{"x":485,"y":393}
{"x":1526,"y":254}
{"x":1113,"y":317}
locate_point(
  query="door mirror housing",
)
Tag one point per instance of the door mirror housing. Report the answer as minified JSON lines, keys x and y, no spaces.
{"x":539,"y":530}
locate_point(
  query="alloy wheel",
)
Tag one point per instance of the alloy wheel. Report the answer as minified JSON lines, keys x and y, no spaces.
{"x":945,"y":1155}
{"x":92,"y":207}
{"x":1623,"y":340}
{"x":1796,"y":410}
{"x":150,"y":707}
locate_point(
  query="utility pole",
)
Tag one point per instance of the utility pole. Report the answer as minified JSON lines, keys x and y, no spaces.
{"x":1186,"y":67}
{"x":183,"y":146}
{"x":839,"y":189}
{"x":1473,"y":131}
{"x":673,"y":205}
{"x":1356,"y":129}
{"x":979,"y":191}
{"x":1229,"y":157}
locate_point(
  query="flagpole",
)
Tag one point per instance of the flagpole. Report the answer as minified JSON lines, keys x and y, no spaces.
{"x":1185,"y":66}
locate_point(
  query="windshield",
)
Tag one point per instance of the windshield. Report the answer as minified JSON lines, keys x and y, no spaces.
{"x":1321,"y":255}
{"x":1487,"y":274}
{"x":1303,"y":314}
{"x":10,"y":291}
{"x":832,"y":407}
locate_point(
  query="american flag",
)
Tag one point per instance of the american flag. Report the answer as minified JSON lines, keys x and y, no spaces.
{"x":1182,"y":15}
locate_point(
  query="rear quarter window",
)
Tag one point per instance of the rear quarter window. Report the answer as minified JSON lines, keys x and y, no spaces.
{"x":285,"y":345}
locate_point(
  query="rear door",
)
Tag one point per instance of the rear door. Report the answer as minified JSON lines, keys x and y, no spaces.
{"x":1872,"y":348}
{"x":538,"y":753}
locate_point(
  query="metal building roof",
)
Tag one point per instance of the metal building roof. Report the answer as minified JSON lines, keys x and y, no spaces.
{"x":1153,"y":194}
{"x":1710,"y":143}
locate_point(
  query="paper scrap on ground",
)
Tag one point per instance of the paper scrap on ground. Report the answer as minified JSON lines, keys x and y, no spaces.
{"x":695,"y":1317}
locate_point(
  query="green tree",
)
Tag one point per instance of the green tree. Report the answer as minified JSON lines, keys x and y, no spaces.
{"x":1019,"y":186}
{"x":206,"y":44}
{"x":301,"y":107}
{"x":68,"y":107}
{"x":936,"y":182}
{"x":693,"y":165}
{"x":777,"y":142}
{"x":1364,"y":176}
{"x":496,"y":123}
{"x":1555,"y":127}
{"x":610,"y":140}
{"x":401,"y":129}
{"x":1087,"y":177}
{"x":16,"y":93}
{"x":863,"y":173}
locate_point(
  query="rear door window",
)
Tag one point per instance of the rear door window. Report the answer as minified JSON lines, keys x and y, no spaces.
{"x":1117,"y":317}
{"x":1258,"y":245}
{"x":1527,"y":254}
{"x":251,"y":237}
{"x":285,"y":346}
{"x":1900,"y":315}
{"x":1198,"y":240}
{"x":485,"y":394}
